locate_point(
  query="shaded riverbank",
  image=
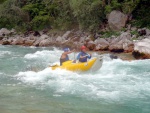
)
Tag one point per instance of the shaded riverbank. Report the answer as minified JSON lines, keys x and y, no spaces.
{"x":126,"y":42}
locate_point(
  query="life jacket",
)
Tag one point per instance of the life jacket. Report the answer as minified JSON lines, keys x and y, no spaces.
{"x":64,"y":59}
{"x":83,"y":59}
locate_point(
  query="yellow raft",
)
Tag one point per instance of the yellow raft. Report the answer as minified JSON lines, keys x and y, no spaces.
{"x":93,"y":64}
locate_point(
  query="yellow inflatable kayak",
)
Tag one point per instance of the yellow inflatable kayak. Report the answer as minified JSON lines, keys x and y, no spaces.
{"x":93,"y":64}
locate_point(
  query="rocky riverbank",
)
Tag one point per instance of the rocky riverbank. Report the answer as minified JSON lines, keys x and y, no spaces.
{"x":126,"y":42}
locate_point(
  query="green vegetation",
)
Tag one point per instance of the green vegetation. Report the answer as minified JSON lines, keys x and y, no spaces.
{"x":141,"y":14}
{"x":65,"y":14}
{"x":88,"y":13}
{"x":134,"y":33}
{"x":11,"y":15}
{"x":1,"y":1}
{"x":108,"y":34}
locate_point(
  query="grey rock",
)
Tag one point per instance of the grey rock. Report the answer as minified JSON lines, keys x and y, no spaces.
{"x":101,"y":41}
{"x":142,"y":46}
{"x":117,"y":20}
{"x":147,"y":32}
{"x":60,"y":39}
{"x":45,"y":42}
{"x":4,"y":31}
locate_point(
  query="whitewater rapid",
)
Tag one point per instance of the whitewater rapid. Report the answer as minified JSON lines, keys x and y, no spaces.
{"x":126,"y":83}
{"x":116,"y":80}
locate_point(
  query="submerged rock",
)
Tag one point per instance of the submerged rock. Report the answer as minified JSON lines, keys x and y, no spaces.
{"x":113,"y":56}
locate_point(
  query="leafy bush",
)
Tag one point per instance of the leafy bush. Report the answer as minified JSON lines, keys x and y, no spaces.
{"x":40,"y":22}
{"x":65,"y":14}
{"x":108,"y":34}
{"x":1,"y":1}
{"x":5,"y":23}
{"x":89,"y":14}
{"x":11,"y":15}
{"x":64,"y":18}
{"x":113,"y":5}
{"x":134,"y":33}
{"x":141,"y":14}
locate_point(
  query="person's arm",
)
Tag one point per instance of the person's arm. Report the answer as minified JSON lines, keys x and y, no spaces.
{"x":86,"y":55}
{"x":78,"y":57}
{"x":69,"y":52}
{"x":89,"y":56}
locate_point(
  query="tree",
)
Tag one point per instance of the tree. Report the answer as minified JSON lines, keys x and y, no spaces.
{"x":11,"y":15}
{"x":89,"y":13}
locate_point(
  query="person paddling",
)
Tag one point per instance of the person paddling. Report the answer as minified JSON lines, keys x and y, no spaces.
{"x":83,"y":56}
{"x":64,"y":57}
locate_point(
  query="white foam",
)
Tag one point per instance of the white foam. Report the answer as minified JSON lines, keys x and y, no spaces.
{"x":33,"y":47}
{"x":45,"y":55}
{"x":114,"y":81}
{"x":33,"y":77}
{"x":4,"y":53}
{"x":117,"y":80}
{"x":56,"y":95}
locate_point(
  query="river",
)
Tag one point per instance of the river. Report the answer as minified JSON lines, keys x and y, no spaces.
{"x":27,"y":85}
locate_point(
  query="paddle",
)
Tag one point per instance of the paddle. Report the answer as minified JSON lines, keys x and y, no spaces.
{"x":87,"y":60}
{"x":74,"y":57}
{"x":74,"y":61}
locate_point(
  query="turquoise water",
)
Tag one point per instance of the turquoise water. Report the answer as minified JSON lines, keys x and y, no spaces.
{"x":28,"y":86}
